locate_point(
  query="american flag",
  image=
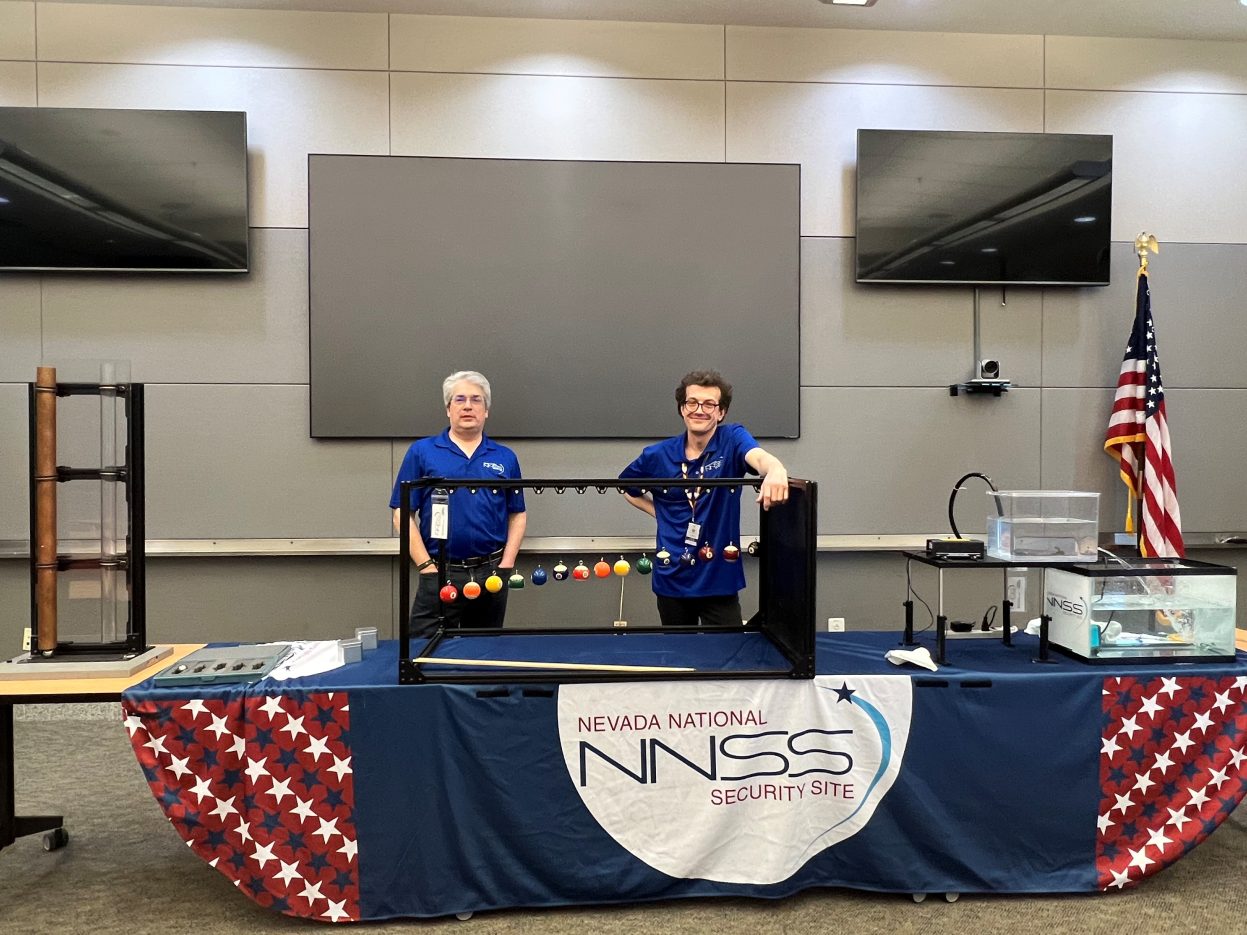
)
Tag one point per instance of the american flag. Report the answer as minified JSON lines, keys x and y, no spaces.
{"x":262,"y":789}
{"x":1138,"y":436}
{"x":1171,"y":770}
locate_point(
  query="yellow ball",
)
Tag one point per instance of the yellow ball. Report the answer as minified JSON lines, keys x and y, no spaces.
{"x":622,"y":567}
{"x":493,"y":584}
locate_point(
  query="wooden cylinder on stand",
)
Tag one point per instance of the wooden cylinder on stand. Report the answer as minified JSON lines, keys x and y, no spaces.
{"x":45,"y":545}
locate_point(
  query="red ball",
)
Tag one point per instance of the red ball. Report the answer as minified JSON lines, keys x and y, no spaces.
{"x":448,"y":593}
{"x":581,"y":572}
{"x":602,"y":570}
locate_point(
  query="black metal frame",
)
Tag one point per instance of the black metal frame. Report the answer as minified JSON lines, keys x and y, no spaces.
{"x":131,"y":475}
{"x":786,"y":546}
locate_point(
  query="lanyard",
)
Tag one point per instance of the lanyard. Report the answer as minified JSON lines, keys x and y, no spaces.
{"x":692,"y":496}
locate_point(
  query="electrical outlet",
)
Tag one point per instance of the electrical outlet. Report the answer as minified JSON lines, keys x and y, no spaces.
{"x":26,"y":640}
{"x":835,"y":624}
{"x":1016,"y":592}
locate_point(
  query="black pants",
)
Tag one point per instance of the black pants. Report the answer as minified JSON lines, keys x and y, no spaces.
{"x":721,"y":611}
{"x":484,"y":612}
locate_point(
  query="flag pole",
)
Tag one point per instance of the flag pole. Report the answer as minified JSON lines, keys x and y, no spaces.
{"x":1142,"y":244}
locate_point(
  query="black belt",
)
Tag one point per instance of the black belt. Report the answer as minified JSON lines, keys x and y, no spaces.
{"x":476,"y":561}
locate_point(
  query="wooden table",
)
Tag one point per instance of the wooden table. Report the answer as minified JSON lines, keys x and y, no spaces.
{"x":55,"y":691}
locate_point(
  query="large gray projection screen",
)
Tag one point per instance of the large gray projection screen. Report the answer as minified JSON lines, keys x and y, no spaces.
{"x":582,"y":290}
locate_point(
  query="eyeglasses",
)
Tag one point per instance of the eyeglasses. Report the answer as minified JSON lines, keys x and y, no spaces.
{"x":709,"y":405}
{"x":464,"y":400}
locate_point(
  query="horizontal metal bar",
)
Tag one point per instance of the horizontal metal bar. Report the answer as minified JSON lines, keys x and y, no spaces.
{"x":536,"y":545}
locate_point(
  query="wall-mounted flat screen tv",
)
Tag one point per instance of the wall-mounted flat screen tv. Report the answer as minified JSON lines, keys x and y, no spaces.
{"x":983,"y":208}
{"x":123,"y":190}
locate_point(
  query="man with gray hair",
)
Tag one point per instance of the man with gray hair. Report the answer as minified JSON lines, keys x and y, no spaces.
{"x":486,"y":527}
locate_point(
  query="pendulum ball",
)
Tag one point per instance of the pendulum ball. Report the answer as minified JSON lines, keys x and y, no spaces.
{"x":471,"y":590}
{"x":581,"y":572}
{"x":644,"y":566}
{"x":539,"y":576}
{"x":706,"y":552}
{"x":493,"y":584}
{"x":515,"y":581}
{"x":622,"y":567}
{"x":601,"y":569}
{"x":448,"y":593}
{"x":731,"y":553}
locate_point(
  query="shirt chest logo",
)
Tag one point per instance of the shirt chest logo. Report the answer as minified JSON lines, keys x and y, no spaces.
{"x":713,"y":466}
{"x":494,"y":466}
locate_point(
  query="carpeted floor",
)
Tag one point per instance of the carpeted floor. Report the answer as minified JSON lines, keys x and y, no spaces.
{"x":126,"y":872}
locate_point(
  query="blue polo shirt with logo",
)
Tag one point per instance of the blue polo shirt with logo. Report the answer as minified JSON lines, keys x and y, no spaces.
{"x":478,"y":521}
{"x":717,"y":510}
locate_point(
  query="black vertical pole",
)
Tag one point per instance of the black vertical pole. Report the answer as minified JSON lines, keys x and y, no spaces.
{"x":404,"y":576}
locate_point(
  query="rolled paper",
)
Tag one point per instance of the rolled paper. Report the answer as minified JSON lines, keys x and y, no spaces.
{"x":493,"y":584}
{"x":448,"y":593}
{"x":622,"y":567}
{"x":644,"y":566}
{"x":471,"y":590}
{"x":516,"y":581}
{"x":601,"y":569}
{"x":560,"y":572}
{"x":539,"y":576}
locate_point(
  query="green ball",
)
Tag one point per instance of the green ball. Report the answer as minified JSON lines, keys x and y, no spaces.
{"x":644,"y":566}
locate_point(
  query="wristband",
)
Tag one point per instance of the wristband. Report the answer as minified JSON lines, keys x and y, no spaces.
{"x":426,"y":563}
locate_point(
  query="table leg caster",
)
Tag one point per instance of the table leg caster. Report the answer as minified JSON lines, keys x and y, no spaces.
{"x":463,"y":916}
{"x":951,"y":897}
{"x":918,"y":897}
{"x":55,"y":839}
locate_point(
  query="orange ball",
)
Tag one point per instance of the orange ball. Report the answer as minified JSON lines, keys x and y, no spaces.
{"x":601,"y":569}
{"x":471,"y":590}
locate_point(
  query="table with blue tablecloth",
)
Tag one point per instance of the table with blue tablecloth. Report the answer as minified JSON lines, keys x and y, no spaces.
{"x":346,"y":796}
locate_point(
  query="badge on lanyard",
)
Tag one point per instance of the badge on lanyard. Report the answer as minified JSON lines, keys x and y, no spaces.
{"x":692,"y":535}
{"x":439,"y":517}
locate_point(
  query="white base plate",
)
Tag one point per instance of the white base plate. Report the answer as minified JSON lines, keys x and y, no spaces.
{"x":21,"y":667}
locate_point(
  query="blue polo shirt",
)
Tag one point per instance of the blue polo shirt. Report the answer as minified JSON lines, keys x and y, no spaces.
{"x":478,"y":521}
{"x":717,"y":510}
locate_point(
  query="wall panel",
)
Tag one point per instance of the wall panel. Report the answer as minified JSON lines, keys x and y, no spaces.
{"x":290,"y":113}
{"x":17,"y":30}
{"x":166,"y":35}
{"x":235,"y":461}
{"x":871,"y":56}
{"x":525,"y":117}
{"x":20,"y":327}
{"x":816,"y":125}
{"x":1097,"y":63}
{"x":17,"y":84}
{"x":191,"y":329}
{"x":494,"y":45}
{"x":1177,"y":170}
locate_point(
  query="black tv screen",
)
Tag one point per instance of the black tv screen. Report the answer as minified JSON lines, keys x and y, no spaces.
{"x":983,"y":208}
{"x":100,"y":190}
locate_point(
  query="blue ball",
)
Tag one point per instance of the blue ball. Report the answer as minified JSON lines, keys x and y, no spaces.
{"x":539,"y":576}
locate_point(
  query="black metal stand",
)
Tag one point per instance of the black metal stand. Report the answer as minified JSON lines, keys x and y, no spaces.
{"x":13,"y":827}
{"x":131,"y":476}
{"x":785,"y":617}
{"x":1006,"y":606}
{"x":1044,"y":656}
{"x":908,"y":639}
{"x":941,"y":639}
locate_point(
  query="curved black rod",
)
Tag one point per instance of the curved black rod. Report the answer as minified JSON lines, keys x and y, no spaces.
{"x":952,"y":497}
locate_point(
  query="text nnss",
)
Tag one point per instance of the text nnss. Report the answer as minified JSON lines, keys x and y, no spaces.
{"x":773,"y":753}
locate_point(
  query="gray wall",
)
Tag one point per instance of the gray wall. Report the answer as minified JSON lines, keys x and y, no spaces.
{"x":226,"y":359}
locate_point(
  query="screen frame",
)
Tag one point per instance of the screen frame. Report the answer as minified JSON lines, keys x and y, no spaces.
{"x":243,"y":268}
{"x":972,"y":281}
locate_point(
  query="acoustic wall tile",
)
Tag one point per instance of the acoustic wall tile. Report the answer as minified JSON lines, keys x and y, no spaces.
{"x":1094,"y":63}
{"x":867,"y":56}
{"x":1206,"y":456}
{"x":816,"y":125}
{"x":1177,"y":167}
{"x":876,"y":335}
{"x":1072,"y":449}
{"x":193,"y":600}
{"x":14,"y":461}
{"x":494,"y":45}
{"x":17,"y":30}
{"x":556,"y":118}
{"x":166,"y":35}
{"x":886,"y":457}
{"x":290,"y":113}
{"x":20,"y":333}
{"x":1195,"y":306}
{"x":17,"y":84}
{"x":236,"y":461}
{"x":249,"y":328}
{"x":14,"y":605}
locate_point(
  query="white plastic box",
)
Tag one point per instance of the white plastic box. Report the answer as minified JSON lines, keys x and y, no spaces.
{"x":1046,"y":525}
{"x":1142,"y":610}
